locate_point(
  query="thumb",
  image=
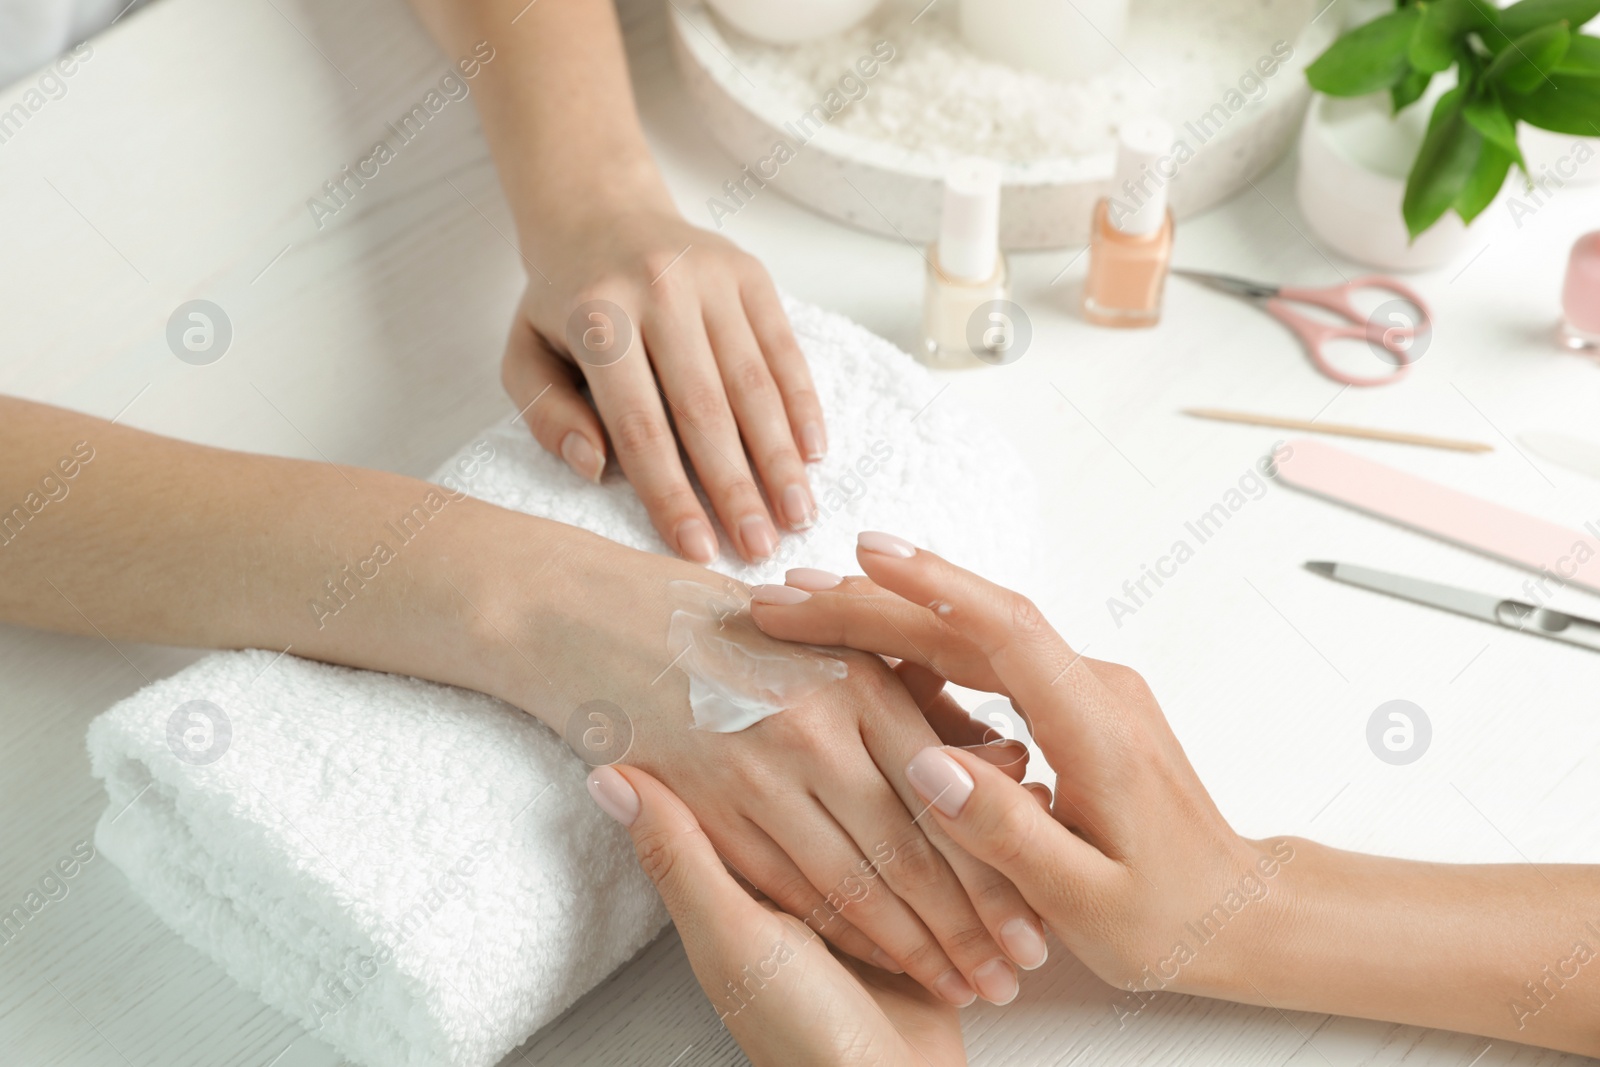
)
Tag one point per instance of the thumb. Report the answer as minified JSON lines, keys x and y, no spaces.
{"x":1001,"y":823}
{"x":672,"y":849}
{"x":543,"y":387}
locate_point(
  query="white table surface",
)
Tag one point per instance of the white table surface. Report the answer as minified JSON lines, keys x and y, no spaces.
{"x":178,"y":165}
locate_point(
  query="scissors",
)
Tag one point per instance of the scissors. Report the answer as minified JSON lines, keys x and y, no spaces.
{"x":1395,"y":340}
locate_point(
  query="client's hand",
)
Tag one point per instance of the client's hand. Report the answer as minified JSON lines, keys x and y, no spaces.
{"x":1132,"y":865}
{"x":811,"y":805}
{"x":785,"y":998}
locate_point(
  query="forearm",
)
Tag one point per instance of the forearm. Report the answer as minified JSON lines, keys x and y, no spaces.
{"x":156,"y":540}
{"x":556,"y":105}
{"x":1509,"y":951}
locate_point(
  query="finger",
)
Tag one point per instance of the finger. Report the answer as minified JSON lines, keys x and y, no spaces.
{"x":542,"y":386}
{"x":763,"y":423}
{"x":830,"y":857}
{"x":1034,"y":664}
{"x":787,"y":363}
{"x":1040,"y":792}
{"x":769,"y":870}
{"x":1011,"y":756}
{"x":949,"y":720}
{"x":1006,"y":918}
{"x":857,"y":613}
{"x":625,"y":393}
{"x":681,"y":353}
{"x":1002,"y":824}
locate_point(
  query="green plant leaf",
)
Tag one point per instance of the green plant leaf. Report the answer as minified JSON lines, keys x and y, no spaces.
{"x":1368,"y":58}
{"x":1564,"y":104}
{"x":1582,"y":58}
{"x":1529,"y":15}
{"x":1409,"y":89}
{"x":1530,"y":58}
{"x":1487,"y":176}
{"x":1438,"y":33}
{"x":1489,"y":117}
{"x":1445,"y":161}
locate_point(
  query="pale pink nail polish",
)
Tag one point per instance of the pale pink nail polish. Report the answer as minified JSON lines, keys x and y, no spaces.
{"x":954,"y":988}
{"x":696,"y":541}
{"x":797,"y":507}
{"x":996,"y":981}
{"x":1023,"y":943}
{"x":1580,"y":298}
{"x":884,"y":961}
{"x":778,"y":594}
{"x":885,"y":544}
{"x":812,"y":579}
{"x":760,"y":539}
{"x":581,"y":456}
{"x":614,"y":795}
{"x":940,"y":781}
{"x":812,"y":442}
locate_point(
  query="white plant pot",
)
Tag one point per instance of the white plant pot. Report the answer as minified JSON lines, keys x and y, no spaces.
{"x":785,"y":22}
{"x":1353,"y":161}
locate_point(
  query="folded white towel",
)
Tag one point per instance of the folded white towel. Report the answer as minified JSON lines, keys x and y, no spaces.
{"x":415,"y":870}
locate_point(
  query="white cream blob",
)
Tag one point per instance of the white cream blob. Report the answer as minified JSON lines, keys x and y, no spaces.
{"x":737,"y":674}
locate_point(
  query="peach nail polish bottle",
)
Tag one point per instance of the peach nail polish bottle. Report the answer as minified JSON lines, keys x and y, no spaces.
{"x":966,"y":269}
{"x":1580,"y":297}
{"x":1130,"y":239}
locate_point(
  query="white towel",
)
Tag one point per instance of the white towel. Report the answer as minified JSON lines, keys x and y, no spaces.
{"x":416,"y":871}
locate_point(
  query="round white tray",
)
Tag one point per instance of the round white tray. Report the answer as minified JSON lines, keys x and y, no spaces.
{"x":888,"y":189}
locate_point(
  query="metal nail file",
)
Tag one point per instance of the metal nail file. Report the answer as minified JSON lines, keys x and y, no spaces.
{"x":1512,"y":614}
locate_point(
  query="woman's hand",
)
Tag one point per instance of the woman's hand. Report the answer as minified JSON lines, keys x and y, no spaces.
{"x":811,"y":805}
{"x":786,"y":999}
{"x":1131,"y":865}
{"x":672,"y":328}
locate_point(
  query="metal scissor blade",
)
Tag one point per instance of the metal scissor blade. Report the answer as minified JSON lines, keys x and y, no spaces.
{"x":1446,"y":597}
{"x":1231,"y":285}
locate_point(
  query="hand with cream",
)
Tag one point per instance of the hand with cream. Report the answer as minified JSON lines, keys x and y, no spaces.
{"x":1135,"y":869}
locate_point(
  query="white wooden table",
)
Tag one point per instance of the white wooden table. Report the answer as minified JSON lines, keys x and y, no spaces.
{"x":178,"y":165}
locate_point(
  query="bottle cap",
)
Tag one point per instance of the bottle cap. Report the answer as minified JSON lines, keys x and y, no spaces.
{"x":969,"y":227}
{"x":1139,"y":190}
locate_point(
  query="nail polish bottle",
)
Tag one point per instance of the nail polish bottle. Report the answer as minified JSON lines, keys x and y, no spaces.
{"x":966,"y":268}
{"x":1130,"y":238}
{"x":1580,"y":297}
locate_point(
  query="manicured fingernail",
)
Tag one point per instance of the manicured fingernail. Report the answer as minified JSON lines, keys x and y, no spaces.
{"x":778,"y":594}
{"x":954,"y":988}
{"x":1023,"y":943}
{"x":797,"y":507}
{"x":811,"y":578}
{"x":886,"y":544}
{"x":1000,"y":753}
{"x":881,"y":958}
{"x":813,"y":442}
{"x":760,"y":539}
{"x":996,"y":981}
{"x":696,"y":541}
{"x":940,"y":781}
{"x":581,"y":456}
{"x":614,"y":795}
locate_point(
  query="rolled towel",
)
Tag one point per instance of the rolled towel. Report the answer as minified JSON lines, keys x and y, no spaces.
{"x":415,"y":871}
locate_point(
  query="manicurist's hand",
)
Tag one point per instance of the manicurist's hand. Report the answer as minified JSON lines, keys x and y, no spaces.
{"x":1132,"y":848}
{"x":1133,"y":866}
{"x":786,"y":999}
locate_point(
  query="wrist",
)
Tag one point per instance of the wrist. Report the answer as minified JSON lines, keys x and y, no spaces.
{"x":557,"y":212}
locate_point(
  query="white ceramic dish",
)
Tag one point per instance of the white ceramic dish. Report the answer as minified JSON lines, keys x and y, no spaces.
{"x":891,"y":190}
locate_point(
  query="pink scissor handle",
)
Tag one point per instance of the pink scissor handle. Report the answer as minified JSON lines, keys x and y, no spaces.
{"x":1397,"y":340}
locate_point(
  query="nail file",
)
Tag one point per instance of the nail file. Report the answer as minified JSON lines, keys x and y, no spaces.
{"x":1428,"y":507}
{"x":1574,"y":453}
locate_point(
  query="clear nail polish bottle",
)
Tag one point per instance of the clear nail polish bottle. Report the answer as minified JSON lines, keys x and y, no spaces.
{"x":1580,"y":297}
{"x":1130,"y":239}
{"x":966,"y":269}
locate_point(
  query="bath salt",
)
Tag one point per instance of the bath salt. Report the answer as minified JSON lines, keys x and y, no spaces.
{"x":938,"y":98}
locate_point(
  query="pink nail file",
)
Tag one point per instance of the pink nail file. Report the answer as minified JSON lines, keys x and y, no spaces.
{"x":1427,"y":507}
